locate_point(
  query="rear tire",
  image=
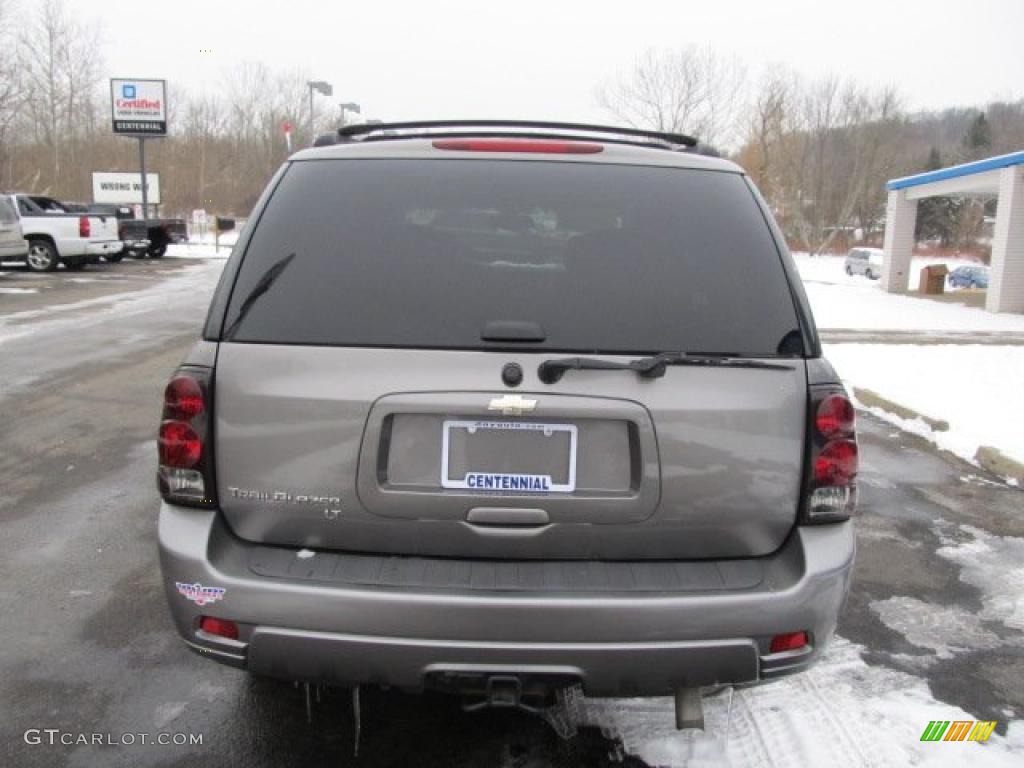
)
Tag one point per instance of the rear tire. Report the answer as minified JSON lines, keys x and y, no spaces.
{"x":848,"y":270}
{"x":157,"y":251}
{"x":870,"y":275}
{"x":42,"y":256}
{"x":113,"y":258}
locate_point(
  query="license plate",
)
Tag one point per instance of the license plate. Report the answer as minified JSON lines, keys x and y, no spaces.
{"x":508,"y":456}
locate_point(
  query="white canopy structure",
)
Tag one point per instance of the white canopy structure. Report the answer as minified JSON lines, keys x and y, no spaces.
{"x":1002,"y":176}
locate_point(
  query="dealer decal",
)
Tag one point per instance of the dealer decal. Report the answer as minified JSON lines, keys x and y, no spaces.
{"x":199,"y":594}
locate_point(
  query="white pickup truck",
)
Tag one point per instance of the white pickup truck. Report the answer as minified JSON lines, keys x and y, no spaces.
{"x":57,"y":235}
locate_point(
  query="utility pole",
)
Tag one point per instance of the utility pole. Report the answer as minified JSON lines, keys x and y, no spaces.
{"x":142,"y":169}
{"x":349,"y":106}
{"x":327,"y":90}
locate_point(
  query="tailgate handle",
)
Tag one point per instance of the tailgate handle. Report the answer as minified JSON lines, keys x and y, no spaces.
{"x":508,"y":516}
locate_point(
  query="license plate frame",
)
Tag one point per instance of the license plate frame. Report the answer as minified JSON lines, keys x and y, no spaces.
{"x":523,"y":482}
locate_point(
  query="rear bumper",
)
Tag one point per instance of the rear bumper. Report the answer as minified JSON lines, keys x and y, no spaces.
{"x":640,"y":643}
{"x":103,"y":248}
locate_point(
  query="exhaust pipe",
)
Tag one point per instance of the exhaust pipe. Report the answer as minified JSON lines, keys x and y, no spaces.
{"x":689,"y":708}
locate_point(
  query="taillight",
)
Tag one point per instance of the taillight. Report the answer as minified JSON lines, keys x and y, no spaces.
{"x":183,"y":399}
{"x":179,"y":445}
{"x":834,"y":416}
{"x":84,"y":227}
{"x":185,"y":474}
{"x":831,"y":492}
{"x":520,"y":145}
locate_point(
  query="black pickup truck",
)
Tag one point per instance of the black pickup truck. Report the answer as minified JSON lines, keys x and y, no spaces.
{"x":140,"y":238}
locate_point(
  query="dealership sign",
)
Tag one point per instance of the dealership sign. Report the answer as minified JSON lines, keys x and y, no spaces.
{"x":124,"y":188}
{"x":139,"y":107}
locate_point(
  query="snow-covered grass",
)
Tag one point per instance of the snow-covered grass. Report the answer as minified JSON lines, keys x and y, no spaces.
{"x":843,"y":301}
{"x":976,"y":388}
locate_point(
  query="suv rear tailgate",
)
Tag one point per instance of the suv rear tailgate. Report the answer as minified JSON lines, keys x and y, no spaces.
{"x":311,"y":452}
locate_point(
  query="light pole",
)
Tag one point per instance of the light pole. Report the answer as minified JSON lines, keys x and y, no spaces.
{"x":351,"y":106}
{"x":327,"y":90}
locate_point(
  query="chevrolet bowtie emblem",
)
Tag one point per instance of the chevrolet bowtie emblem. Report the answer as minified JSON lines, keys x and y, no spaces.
{"x":512,"y":405}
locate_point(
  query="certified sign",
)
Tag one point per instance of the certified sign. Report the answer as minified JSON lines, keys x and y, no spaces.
{"x":139,"y":107}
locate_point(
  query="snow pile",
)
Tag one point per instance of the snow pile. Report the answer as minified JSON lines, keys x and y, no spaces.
{"x":841,"y":712}
{"x":974,"y":387}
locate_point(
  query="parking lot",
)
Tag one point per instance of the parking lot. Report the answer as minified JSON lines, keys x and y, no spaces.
{"x":934,"y":627}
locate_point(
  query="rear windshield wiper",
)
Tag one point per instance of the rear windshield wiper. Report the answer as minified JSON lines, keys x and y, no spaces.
{"x":652,"y":367}
{"x":262,"y":286}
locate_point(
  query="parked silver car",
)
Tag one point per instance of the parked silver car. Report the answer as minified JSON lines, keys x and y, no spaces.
{"x":12,"y":244}
{"x":497,"y":414}
{"x":865,"y":261}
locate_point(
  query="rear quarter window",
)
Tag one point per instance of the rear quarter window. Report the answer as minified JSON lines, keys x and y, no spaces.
{"x":427,"y":253}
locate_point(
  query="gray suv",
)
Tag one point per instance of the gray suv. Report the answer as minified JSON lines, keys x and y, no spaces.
{"x":500,"y":408}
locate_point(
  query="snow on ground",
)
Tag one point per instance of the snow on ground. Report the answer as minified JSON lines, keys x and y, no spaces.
{"x":976,"y":388}
{"x":205,"y":246}
{"x":994,"y":565}
{"x":191,"y":279}
{"x":843,"y":301}
{"x":841,"y":712}
{"x":18,"y":290}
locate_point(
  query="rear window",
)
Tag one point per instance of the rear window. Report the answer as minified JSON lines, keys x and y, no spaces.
{"x":430,"y":253}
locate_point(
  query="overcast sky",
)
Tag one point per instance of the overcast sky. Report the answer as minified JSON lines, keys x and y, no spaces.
{"x":528,"y":59}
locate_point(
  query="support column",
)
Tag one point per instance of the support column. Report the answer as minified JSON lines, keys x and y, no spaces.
{"x":1006,"y":274}
{"x":900,"y":220}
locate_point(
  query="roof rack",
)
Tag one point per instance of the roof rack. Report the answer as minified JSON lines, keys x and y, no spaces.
{"x":381,"y":131}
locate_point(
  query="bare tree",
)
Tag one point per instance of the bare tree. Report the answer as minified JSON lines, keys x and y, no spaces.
{"x":833,"y":156}
{"x":768,"y":112}
{"x":10,"y":91}
{"x":691,"y":90}
{"x":58,"y":63}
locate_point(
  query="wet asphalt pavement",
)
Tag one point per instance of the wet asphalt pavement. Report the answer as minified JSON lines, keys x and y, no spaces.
{"x":88,"y":648}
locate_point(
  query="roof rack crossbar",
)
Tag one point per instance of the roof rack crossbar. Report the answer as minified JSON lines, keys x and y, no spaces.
{"x":363,"y":129}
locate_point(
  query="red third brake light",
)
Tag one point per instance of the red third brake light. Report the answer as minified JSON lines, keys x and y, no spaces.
{"x":84,"y":227}
{"x":520,"y":145}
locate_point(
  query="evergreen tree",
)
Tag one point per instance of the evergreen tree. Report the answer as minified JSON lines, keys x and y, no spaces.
{"x":977,"y":142}
{"x":937,"y":217}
